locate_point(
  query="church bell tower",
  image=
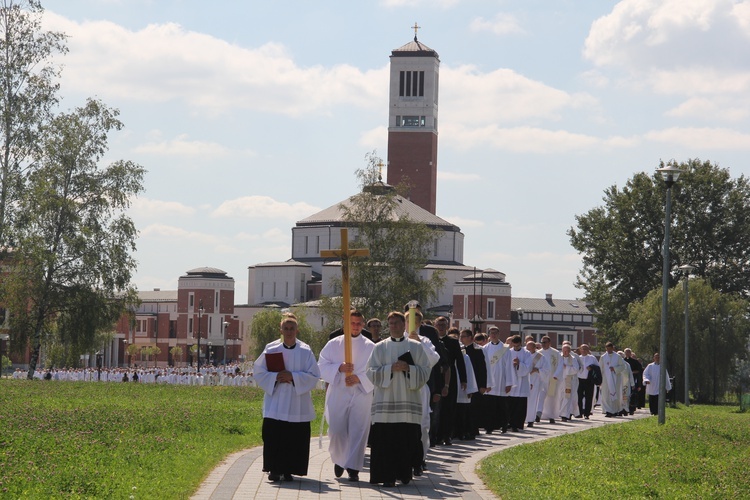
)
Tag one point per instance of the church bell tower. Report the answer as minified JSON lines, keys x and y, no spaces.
{"x":412,"y":121}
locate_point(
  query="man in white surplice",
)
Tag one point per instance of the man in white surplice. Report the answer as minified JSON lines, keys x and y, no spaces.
{"x":612,"y":366}
{"x":549,"y":403}
{"x":348,"y":401}
{"x":539,"y":374}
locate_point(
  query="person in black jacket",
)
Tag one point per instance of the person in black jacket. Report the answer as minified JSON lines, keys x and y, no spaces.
{"x":479,"y":366}
{"x":455,"y":374}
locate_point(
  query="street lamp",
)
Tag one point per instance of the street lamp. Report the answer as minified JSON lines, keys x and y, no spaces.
{"x":209,"y":354}
{"x":520,"y":322}
{"x":200,"y":315}
{"x":670,"y":174}
{"x":225,"y":324}
{"x":686,"y":269}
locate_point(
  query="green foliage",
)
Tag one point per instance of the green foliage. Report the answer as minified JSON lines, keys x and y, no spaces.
{"x":621,"y":241}
{"x":701,"y":452}
{"x":73,"y":242}
{"x":28,"y":93}
{"x":718,"y":324}
{"x":266,"y":327}
{"x":110,"y":440}
{"x":399,"y":249}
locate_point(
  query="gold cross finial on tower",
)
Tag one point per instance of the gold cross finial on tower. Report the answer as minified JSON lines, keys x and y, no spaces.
{"x":380,"y":170}
{"x":416,"y":27}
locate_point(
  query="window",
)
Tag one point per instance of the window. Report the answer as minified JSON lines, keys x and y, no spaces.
{"x":191,"y":300}
{"x":262,"y":289}
{"x":190,"y":325}
{"x":490,"y":308}
{"x":217,"y":300}
{"x":286,"y":293}
{"x":306,"y":242}
{"x":410,"y":121}
{"x":317,"y":245}
{"x":563,"y":337}
{"x":411,"y":84}
{"x":435,"y":249}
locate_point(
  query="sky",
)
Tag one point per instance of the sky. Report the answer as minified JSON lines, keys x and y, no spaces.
{"x":252,"y":115}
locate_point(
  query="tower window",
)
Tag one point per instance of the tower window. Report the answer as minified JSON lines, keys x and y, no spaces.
{"x":411,"y":84}
{"x":410,"y":121}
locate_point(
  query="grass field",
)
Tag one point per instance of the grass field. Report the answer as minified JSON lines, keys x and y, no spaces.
{"x":700,"y":452}
{"x":140,"y":441}
{"x":109,"y":440}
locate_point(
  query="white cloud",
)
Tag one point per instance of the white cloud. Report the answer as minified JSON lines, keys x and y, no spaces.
{"x":521,"y":139}
{"x":176,"y":234}
{"x":149,"y":207}
{"x":710,"y":108}
{"x":182,"y":146}
{"x":376,"y":138}
{"x":263,"y":207}
{"x":457,"y":176}
{"x":701,"y":138}
{"x":501,"y":24}
{"x":464,"y":222}
{"x":165,"y":62}
{"x":677,"y":46}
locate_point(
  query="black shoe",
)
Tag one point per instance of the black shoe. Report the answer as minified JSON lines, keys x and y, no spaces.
{"x":353,"y":475}
{"x":448,"y":442}
{"x":424,"y":465}
{"x":287,"y":477}
{"x":338,"y":470}
{"x":552,"y":421}
{"x":514,"y":429}
{"x":274,"y":477}
{"x":538,"y":419}
{"x":489,"y":431}
{"x":579,"y":416}
{"x":564,"y":419}
{"x":608,"y":415}
{"x":406,"y":480}
{"x":587,"y":417}
{"x":389,"y":484}
{"x":416,"y":471}
{"x":529,"y":424}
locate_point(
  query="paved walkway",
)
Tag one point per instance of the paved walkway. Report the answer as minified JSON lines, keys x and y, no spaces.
{"x":450,"y":469}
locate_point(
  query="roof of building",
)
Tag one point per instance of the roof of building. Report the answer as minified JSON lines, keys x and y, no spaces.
{"x":207,"y":272}
{"x":286,"y":263}
{"x":334,"y":215}
{"x":414,"y":48}
{"x":549,"y":304}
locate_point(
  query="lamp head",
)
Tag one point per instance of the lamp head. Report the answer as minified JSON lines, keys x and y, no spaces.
{"x":670,"y":174}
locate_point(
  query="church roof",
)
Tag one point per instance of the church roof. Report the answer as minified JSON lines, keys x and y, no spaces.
{"x":549,"y":304}
{"x":207,"y":272}
{"x":414,"y":48}
{"x":334,"y":215}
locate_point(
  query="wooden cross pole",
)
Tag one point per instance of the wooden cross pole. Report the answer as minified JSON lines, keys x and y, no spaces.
{"x":345,"y":254}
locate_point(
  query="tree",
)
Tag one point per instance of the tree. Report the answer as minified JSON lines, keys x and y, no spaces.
{"x":719,"y":329}
{"x":621,"y":241}
{"x":28,"y":93}
{"x":399,"y":248}
{"x":72,"y":261}
{"x":176,"y":353}
{"x":133,"y":350}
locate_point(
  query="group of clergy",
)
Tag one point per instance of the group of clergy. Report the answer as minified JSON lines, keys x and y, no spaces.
{"x":424,"y":386}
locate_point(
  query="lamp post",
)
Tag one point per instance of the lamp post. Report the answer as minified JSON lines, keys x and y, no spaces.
{"x":520,"y":322}
{"x":200,"y":316}
{"x":209,"y":354}
{"x":686,"y":269}
{"x":670,"y":174}
{"x":225,"y":324}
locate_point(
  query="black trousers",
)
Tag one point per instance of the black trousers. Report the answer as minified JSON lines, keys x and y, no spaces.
{"x":653,"y":404}
{"x":517,"y":411}
{"x":495,"y":412}
{"x":585,"y":396}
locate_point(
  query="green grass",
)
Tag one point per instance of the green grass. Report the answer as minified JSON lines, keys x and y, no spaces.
{"x":110,"y":440}
{"x":700,"y":452}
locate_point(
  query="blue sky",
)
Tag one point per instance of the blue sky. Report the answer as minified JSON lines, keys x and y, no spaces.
{"x":251,"y":115}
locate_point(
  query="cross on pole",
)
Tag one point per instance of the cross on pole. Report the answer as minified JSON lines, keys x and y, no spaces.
{"x":344,"y":255}
{"x":415,"y":27}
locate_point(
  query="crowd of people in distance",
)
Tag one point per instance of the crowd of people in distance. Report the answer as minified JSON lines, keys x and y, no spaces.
{"x":233,"y":374}
{"x":428,"y":385}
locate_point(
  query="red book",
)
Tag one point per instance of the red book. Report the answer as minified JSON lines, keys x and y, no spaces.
{"x":275,"y":362}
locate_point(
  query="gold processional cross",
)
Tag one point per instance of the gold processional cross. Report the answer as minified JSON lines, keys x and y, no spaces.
{"x":344,"y":255}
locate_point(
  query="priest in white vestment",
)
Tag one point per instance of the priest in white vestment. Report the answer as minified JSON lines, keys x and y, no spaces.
{"x":549,"y":403}
{"x":538,"y":374}
{"x":517,"y":380}
{"x":348,"y":402}
{"x":494,"y":401}
{"x":566,"y":376}
{"x":651,"y":377}
{"x":398,"y":368}
{"x":287,"y":405}
{"x":612,"y":366}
